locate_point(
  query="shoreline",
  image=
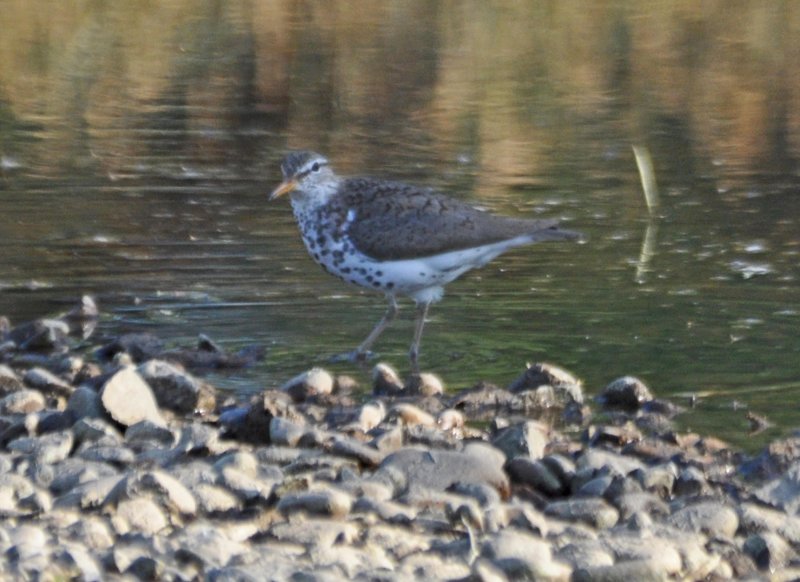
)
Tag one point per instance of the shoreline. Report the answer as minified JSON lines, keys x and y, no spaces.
{"x":118,"y":461}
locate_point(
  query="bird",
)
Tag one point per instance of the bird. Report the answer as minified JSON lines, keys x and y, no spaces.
{"x":396,"y":238}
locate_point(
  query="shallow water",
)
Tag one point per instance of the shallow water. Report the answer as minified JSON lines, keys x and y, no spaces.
{"x":138,"y":142}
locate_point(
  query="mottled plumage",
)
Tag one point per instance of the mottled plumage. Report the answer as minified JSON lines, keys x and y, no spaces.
{"x":397,"y":238}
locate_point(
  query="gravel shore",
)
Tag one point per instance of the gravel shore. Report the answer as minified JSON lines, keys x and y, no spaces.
{"x":118,"y":461}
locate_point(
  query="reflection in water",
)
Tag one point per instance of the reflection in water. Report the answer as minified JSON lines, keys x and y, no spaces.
{"x":138,"y":142}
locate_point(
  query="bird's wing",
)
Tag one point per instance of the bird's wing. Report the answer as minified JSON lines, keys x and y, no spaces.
{"x":394,"y":221}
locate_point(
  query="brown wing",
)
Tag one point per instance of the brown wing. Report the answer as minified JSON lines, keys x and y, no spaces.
{"x":392,"y":221}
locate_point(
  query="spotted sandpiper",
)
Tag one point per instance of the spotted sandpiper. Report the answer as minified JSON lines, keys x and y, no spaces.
{"x":396,"y":238}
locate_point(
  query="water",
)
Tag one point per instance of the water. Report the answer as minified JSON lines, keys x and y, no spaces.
{"x":138,"y":142}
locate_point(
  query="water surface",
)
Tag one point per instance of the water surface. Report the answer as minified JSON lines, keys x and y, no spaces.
{"x":138,"y":142}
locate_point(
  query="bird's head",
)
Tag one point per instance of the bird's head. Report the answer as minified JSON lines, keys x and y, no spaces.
{"x":306,"y":174}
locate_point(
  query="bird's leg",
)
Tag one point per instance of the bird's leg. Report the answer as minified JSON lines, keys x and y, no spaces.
{"x":361,"y":353}
{"x":413,"y":353}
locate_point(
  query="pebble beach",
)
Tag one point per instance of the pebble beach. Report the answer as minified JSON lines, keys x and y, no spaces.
{"x":119,"y":461}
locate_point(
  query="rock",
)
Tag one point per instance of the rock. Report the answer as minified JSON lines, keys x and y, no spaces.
{"x":128,"y":399}
{"x":140,"y":515}
{"x":754,"y":518}
{"x":364,"y":454}
{"x":626,"y":393}
{"x":566,"y":387}
{"x":202,"y":543}
{"x":371,"y":415}
{"x":315,"y":532}
{"x":313,"y":383}
{"x":594,"y":511}
{"x":483,"y":401}
{"x":177,"y":390}
{"x":439,"y":470}
{"x":47,"y":449}
{"x":411,"y":415}
{"x":522,"y":556}
{"x":285,"y":432}
{"x":215,"y":499}
{"x":769,"y":551}
{"x":173,"y":495}
{"x":450,"y":420}
{"x":527,"y":439}
{"x":535,"y":474}
{"x":783,"y":492}
{"x":709,"y":517}
{"x":425,"y":384}
{"x":140,"y":346}
{"x":386,"y":381}
{"x":9,"y":381}
{"x":42,"y":334}
{"x":85,"y":402}
{"x":22,"y":402}
{"x":147,"y":430}
{"x":42,"y":379}
{"x":639,"y":570}
{"x":690,"y":482}
{"x":318,"y":502}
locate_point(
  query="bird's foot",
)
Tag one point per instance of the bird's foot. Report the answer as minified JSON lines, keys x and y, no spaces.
{"x":355,"y":357}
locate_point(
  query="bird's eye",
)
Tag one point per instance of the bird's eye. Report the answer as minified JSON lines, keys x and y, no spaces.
{"x":315,"y":167}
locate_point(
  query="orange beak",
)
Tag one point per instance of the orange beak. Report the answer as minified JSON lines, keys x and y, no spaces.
{"x":285,"y":187}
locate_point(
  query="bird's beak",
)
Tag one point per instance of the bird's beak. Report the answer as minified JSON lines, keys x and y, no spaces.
{"x":285,"y":187}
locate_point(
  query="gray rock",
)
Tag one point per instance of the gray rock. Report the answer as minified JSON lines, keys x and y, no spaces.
{"x":9,"y":381}
{"x":215,"y":499}
{"x":386,"y":381}
{"x":754,"y":518}
{"x":690,"y":482}
{"x":42,"y":334}
{"x":88,"y":494}
{"x":112,"y":454}
{"x":599,"y":459}
{"x":128,"y":399}
{"x":535,"y":474}
{"x":326,"y":501}
{"x":85,"y":402}
{"x":527,"y":439}
{"x":42,"y":379}
{"x":139,"y":514}
{"x":440,"y":470}
{"x":639,"y":570}
{"x":567,"y":388}
{"x":72,"y":472}
{"x":285,"y":432}
{"x":352,"y":449}
{"x":626,"y":393}
{"x":176,"y":389}
{"x":205,"y":544}
{"x":313,"y":383}
{"x":709,"y":517}
{"x":315,"y":533}
{"x":596,"y":512}
{"x":22,"y":402}
{"x":247,"y":487}
{"x":585,"y":554}
{"x":425,"y":384}
{"x":769,"y":551}
{"x":146,"y":430}
{"x":783,"y":492}
{"x":169,"y":491}
{"x":658,"y":554}
{"x":47,"y":449}
{"x":521,"y":555}
{"x":94,"y":429}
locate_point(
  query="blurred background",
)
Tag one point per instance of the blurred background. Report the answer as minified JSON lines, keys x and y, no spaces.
{"x":139,"y":141}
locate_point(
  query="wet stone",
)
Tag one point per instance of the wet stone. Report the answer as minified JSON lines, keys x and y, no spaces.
{"x":42,"y":379}
{"x":319,"y":502}
{"x":567,"y":388}
{"x":386,"y":381}
{"x":595,"y":512}
{"x":315,"y":382}
{"x":626,"y":393}
{"x":177,"y":390}
{"x":709,"y":517}
{"x":527,"y":439}
{"x":535,"y":474}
